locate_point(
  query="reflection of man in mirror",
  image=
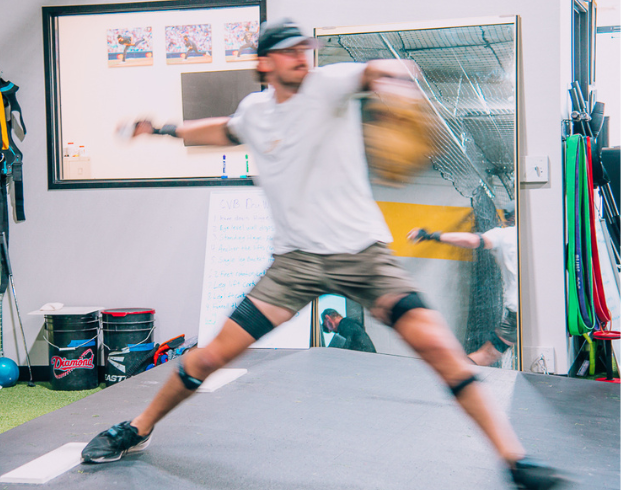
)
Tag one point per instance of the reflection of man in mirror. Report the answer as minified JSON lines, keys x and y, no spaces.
{"x":126,"y":41}
{"x":356,"y":338}
{"x":502,"y":244}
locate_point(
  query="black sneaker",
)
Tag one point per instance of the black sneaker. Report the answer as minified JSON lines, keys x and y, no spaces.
{"x":529,"y":474}
{"x":114,"y":443}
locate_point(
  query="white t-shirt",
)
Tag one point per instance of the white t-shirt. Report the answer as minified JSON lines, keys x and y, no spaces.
{"x":310,"y":156}
{"x":504,"y":250}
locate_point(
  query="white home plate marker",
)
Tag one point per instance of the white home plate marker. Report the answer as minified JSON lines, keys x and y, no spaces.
{"x":220,"y":378}
{"x":48,"y":466}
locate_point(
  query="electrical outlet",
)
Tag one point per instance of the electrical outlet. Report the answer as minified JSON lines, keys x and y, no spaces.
{"x":535,"y":169}
{"x":539,"y":359}
{"x":548,"y":354}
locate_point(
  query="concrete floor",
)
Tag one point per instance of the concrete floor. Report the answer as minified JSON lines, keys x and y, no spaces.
{"x":324,"y":419}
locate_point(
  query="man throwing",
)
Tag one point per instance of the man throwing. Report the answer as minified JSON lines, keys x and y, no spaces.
{"x":330,"y":237}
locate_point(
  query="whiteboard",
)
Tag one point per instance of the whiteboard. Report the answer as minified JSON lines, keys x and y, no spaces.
{"x":238,"y":252}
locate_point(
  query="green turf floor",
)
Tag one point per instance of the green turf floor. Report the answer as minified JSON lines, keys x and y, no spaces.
{"x":21,"y":403}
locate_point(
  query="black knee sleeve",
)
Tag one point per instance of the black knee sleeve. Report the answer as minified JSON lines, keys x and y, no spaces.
{"x":405,"y":304}
{"x":498,"y":344}
{"x":248,"y":317}
{"x":188,"y":381}
{"x":456,"y":390}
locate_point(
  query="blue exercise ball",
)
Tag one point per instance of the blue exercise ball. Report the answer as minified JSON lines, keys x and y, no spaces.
{"x":9,"y":372}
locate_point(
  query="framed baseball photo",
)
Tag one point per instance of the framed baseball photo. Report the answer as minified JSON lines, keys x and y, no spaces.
{"x":188,"y":44}
{"x":130,"y":46}
{"x":241,"y":40}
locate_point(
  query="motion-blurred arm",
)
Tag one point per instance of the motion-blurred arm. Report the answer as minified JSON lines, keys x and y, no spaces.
{"x":378,"y":69}
{"x":210,"y":131}
{"x":457,"y":239}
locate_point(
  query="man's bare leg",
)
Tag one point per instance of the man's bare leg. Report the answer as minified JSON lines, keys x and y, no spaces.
{"x":200,"y":363}
{"x":425,"y":331}
{"x":486,"y":355}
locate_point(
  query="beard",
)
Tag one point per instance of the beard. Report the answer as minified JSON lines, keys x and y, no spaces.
{"x":293,"y":80}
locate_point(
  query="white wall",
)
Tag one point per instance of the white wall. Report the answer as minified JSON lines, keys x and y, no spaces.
{"x":608,"y":66}
{"x":145,"y":247}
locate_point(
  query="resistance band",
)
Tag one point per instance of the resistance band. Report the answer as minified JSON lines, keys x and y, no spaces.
{"x":580,"y":318}
{"x":599,"y":296}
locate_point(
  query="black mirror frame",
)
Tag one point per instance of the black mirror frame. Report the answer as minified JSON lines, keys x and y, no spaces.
{"x":52,"y":89}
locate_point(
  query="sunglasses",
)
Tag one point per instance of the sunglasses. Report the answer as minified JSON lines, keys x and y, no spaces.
{"x":292,"y":52}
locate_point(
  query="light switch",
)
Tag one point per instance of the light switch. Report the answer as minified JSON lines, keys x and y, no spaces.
{"x":535,"y":169}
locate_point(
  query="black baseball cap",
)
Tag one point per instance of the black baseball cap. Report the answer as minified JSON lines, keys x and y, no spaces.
{"x":281,"y":34}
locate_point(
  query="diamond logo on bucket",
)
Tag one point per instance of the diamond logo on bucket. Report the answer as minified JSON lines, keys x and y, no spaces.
{"x":66,"y":366}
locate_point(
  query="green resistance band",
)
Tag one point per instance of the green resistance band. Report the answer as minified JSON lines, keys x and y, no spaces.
{"x":580,"y":307}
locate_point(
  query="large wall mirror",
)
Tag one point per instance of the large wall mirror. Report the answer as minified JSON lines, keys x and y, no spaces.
{"x":469,"y":76}
{"x":167,"y":61}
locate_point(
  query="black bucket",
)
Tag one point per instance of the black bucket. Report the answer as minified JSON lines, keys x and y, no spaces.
{"x":127,"y":335}
{"x":73,"y":347}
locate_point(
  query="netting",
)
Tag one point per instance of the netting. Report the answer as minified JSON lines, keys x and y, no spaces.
{"x":468,"y":77}
{"x":486,"y":299}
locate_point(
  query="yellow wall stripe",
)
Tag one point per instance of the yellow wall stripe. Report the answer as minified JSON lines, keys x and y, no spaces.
{"x":402,"y":217}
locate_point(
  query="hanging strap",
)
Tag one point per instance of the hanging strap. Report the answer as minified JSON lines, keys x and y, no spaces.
{"x":4,"y":133}
{"x":599,"y":295}
{"x":583,"y":238}
{"x":9,"y":91}
{"x":4,"y":228}
{"x":581,"y":254}
{"x":1,"y":334}
{"x":580,"y":318}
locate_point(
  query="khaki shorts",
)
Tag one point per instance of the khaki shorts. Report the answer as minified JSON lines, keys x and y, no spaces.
{"x":296,"y":278}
